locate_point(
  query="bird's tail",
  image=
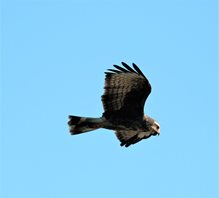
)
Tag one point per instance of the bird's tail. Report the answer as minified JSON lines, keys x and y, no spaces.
{"x":79,"y":125}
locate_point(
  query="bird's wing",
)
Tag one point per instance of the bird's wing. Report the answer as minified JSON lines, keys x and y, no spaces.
{"x":125,"y":92}
{"x":131,"y":137}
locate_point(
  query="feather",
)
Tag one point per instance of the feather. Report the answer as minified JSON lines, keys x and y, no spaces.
{"x":108,"y":73}
{"x":138,"y":70}
{"x":128,"y":67}
{"x":113,"y":70}
{"x":120,"y":68}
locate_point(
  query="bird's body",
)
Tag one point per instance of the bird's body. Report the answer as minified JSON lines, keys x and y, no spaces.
{"x":126,"y":90}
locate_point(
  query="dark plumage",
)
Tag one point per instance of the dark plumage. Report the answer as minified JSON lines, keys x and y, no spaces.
{"x":125,"y":92}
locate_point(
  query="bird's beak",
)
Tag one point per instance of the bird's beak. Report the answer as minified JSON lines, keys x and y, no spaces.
{"x":157,"y":131}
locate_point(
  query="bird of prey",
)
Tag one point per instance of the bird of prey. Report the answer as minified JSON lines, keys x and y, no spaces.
{"x":125,"y":92}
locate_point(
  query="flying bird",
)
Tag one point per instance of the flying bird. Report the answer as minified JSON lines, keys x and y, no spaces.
{"x":125,"y":92}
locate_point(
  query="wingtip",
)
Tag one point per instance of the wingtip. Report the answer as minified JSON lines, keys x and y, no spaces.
{"x":123,"y":63}
{"x":126,"y":68}
{"x":134,"y":65}
{"x":138,"y":70}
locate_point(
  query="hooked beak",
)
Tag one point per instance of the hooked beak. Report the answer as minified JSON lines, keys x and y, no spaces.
{"x":155,"y":130}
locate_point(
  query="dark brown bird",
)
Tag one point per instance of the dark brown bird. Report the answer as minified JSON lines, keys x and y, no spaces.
{"x":125,"y":92}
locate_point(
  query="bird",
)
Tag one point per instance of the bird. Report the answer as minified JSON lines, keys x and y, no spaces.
{"x":125,"y":91}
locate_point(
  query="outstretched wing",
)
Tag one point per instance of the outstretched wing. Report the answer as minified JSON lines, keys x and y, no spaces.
{"x":126,"y":90}
{"x":131,"y":137}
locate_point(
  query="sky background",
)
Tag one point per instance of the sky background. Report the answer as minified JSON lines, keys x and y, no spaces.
{"x":53,"y":57}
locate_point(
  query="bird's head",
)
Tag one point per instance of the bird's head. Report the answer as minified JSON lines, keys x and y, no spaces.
{"x":153,"y":125}
{"x":155,"y":128}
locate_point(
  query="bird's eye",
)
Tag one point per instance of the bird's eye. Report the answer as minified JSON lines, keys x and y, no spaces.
{"x":158,"y":127}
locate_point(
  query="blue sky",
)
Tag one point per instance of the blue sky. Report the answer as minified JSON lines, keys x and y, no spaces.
{"x":53,"y":58}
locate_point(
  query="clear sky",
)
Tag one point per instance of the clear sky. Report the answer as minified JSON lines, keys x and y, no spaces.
{"x":53,"y":57}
